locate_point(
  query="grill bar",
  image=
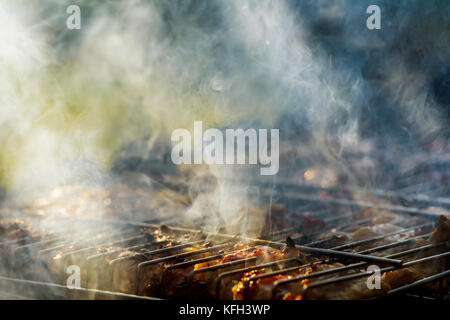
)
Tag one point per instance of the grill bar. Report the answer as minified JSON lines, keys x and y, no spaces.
{"x":420,"y":282}
{"x":218,"y":267}
{"x":55,"y":291}
{"x":248,"y":269}
{"x":394,"y":244}
{"x":373,"y":239}
{"x":290,"y":196}
{"x":333,"y":270}
{"x":402,"y":198}
{"x":363,"y":274}
{"x":183,"y":265}
{"x":349,"y":277}
{"x":183,"y":255}
{"x":351,"y":255}
{"x":339,"y":225}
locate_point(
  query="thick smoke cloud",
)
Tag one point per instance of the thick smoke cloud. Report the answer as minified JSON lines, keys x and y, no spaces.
{"x":139,"y":69}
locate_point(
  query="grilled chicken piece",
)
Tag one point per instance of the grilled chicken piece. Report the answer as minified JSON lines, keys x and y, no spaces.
{"x":124,"y":272}
{"x":373,"y":231}
{"x":203,"y":284}
{"x":442,"y":231}
{"x":15,"y":233}
{"x":11,"y":231}
{"x":282,"y":218}
{"x":96,"y":273}
{"x":382,"y":229}
{"x":15,"y":229}
{"x":378,"y":216}
{"x":176,"y":279}
{"x":261,"y":289}
{"x":358,"y":289}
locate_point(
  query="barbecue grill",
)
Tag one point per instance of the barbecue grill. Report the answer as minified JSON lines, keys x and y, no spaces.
{"x":123,"y":259}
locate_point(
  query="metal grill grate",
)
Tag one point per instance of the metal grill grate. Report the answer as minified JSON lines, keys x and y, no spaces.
{"x":119,"y":259}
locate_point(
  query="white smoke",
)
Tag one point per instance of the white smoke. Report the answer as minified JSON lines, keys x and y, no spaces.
{"x":139,"y":69}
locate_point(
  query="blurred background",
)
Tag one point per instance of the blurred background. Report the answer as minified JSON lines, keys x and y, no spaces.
{"x":355,"y":107}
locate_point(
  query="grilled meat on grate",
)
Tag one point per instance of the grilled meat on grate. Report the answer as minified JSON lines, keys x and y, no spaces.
{"x":172,"y":262}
